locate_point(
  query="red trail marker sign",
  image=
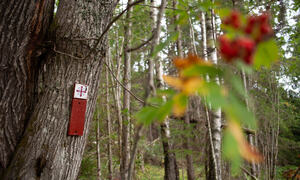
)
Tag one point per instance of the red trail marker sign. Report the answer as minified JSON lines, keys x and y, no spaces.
{"x":78,"y":109}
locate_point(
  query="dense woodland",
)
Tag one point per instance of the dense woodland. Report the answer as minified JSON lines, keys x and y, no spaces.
{"x":274,"y":93}
{"x":229,"y":107}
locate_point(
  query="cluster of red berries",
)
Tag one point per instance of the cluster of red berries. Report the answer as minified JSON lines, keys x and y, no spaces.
{"x":254,"y":30}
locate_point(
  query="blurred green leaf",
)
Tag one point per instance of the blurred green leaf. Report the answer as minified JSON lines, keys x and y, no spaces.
{"x":238,"y":111}
{"x":231,"y":152}
{"x":215,"y":96}
{"x":244,"y":67}
{"x":197,"y":70}
{"x":266,"y":53}
{"x":238,"y":86}
{"x":167,"y":92}
{"x":164,"y":111}
{"x":146,"y":115}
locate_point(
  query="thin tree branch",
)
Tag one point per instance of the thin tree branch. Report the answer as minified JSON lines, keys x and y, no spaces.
{"x":141,"y":45}
{"x":157,"y":7}
{"x":110,"y":24}
{"x":131,"y":93}
{"x":102,"y":34}
{"x":70,"y":55}
{"x":247,"y":172}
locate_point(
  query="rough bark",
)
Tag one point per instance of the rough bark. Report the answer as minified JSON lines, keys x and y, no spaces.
{"x":23,"y":26}
{"x":126,"y":98}
{"x":45,"y":151}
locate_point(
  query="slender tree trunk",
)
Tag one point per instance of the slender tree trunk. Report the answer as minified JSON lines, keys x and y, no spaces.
{"x":98,"y":146}
{"x":109,"y":152}
{"x":189,"y":159}
{"x":177,"y":29}
{"x":211,"y":159}
{"x":126,"y":97}
{"x":216,"y":119}
{"x":192,"y":48}
{"x":45,"y":151}
{"x":117,"y":91}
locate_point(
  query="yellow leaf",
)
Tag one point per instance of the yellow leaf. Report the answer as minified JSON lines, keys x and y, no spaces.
{"x":247,"y":151}
{"x":178,"y":107}
{"x":191,"y":85}
{"x":173,"y":81}
{"x":182,"y":63}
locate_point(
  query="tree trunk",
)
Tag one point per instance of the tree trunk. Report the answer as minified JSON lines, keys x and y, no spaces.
{"x":23,"y":26}
{"x":98,"y":145}
{"x":189,"y":159}
{"x":109,"y":152}
{"x":45,"y":151}
{"x":216,"y":119}
{"x":126,"y":99}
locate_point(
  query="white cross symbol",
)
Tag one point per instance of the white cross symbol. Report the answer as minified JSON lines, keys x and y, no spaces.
{"x":81,"y":91}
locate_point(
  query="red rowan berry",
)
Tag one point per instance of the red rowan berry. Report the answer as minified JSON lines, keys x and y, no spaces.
{"x":228,"y":49}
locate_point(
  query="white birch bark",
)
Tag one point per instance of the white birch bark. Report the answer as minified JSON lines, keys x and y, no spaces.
{"x":216,"y":119}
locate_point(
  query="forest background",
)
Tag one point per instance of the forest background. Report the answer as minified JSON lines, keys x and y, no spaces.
{"x":177,"y":89}
{"x":274,"y":91}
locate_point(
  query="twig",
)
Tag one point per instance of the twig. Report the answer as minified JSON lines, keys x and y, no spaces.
{"x":247,"y":172}
{"x":102,"y":34}
{"x":70,"y":55}
{"x":141,"y":45}
{"x":157,"y":7}
{"x":131,"y":93}
{"x":110,"y":24}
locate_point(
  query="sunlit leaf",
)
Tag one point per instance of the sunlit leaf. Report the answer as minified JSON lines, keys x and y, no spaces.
{"x":266,"y":53}
{"x":190,"y":60}
{"x":223,"y":12}
{"x":198,"y":70}
{"x":191,"y":85}
{"x":173,"y":82}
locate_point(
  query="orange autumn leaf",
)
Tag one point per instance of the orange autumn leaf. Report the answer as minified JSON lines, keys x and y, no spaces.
{"x":187,"y":85}
{"x":173,"y":81}
{"x":178,"y":109}
{"x":247,"y":151}
{"x":191,"y":85}
{"x":182,"y":63}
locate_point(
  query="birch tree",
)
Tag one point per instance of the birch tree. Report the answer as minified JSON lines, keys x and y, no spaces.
{"x":216,"y":120}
